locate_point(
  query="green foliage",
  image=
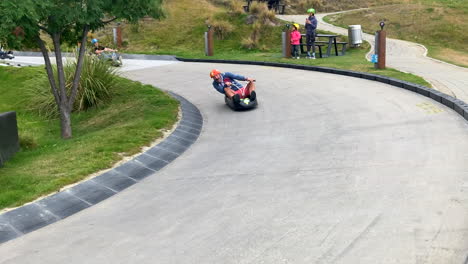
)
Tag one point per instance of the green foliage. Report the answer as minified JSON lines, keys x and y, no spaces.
{"x":65,"y":21}
{"x":97,"y":82}
{"x":66,"y":17}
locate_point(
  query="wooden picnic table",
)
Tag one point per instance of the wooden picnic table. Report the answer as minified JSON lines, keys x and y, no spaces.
{"x":331,"y":42}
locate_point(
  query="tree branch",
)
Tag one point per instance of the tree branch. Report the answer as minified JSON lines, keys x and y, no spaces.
{"x":108,"y":21}
{"x":48,"y":68}
{"x":60,"y":72}
{"x":79,"y":66}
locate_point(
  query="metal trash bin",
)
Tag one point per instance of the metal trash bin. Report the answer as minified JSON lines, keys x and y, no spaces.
{"x":355,"y":35}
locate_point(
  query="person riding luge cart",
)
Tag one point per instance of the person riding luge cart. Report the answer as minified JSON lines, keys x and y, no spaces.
{"x":105,"y":53}
{"x":6,"y":54}
{"x":237,"y":97}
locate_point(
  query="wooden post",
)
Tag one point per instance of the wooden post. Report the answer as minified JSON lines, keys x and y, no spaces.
{"x":119,"y":36}
{"x":287,"y":43}
{"x":381,"y":49}
{"x":209,"y":42}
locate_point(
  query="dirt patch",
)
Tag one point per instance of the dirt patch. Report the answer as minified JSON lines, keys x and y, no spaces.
{"x":452,"y":56}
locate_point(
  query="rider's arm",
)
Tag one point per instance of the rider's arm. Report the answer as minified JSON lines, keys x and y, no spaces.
{"x":236,"y":76}
{"x":218,"y":86}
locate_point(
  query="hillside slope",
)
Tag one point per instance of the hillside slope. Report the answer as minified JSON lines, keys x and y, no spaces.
{"x":181,"y":32}
{"x":439,"y":25}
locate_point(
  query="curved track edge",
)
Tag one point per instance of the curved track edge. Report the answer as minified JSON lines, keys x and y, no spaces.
{"x":53,"y":208}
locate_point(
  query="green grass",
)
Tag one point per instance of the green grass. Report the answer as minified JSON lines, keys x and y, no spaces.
{"x":136,"y":116}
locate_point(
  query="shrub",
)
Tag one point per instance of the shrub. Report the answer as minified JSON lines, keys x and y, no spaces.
{"x":222,"y":28}
{"x":248,"y":43}
{"x":260,"y":12}
{"x":97,"y":81}
{"x":27,"y":142}
{"x":252,"y":42}
{"x":257,"y":8}
{"x":236,"y":7}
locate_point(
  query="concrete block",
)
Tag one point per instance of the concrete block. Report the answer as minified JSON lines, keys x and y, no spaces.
{"x":29,"y":218}
{"x":62,"y":204}
{"x":448,"y":100}
{"x":162,"y":153}
{"x":134,"y":170}
{"x":382,"y":79}
{"x":151,"y":162}
{"x":114,"y":180}
{"x":9,"y":140}
{"x":395,"y":82}
{"x":7,"y":232}
{"x":91,"y":192}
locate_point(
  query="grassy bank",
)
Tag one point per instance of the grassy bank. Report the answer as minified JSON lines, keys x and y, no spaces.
{"x":440,"y":25}
{"x":184,"y":37}
{"x":137,"y":115}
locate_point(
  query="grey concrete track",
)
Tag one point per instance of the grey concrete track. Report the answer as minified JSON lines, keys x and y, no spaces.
{"x":409,"y":57}
{"x":328,"y":169}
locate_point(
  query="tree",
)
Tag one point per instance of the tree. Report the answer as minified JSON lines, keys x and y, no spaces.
{"x":24,"y":23}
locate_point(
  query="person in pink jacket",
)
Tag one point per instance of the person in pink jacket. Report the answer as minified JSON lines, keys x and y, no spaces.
{"x":295,"y":41}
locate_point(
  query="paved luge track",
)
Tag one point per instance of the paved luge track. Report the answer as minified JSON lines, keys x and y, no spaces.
{"x":331,"y":169}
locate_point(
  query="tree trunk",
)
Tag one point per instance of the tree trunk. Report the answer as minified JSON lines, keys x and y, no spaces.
{"x":65,"y":110}
{"x":65,"y":121}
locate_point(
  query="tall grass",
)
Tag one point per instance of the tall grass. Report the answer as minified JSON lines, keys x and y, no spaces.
{"x":324,"y":6}
{"x":97,"y":81}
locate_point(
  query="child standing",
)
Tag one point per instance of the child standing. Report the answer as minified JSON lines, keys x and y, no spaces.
{"x":295,"y":41}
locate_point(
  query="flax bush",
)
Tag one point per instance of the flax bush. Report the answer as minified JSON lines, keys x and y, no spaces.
{"x":97,"y":81}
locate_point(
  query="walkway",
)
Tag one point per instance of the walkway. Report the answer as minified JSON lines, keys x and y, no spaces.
{"x":409,"y":57}
{"x":345,"y":170}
